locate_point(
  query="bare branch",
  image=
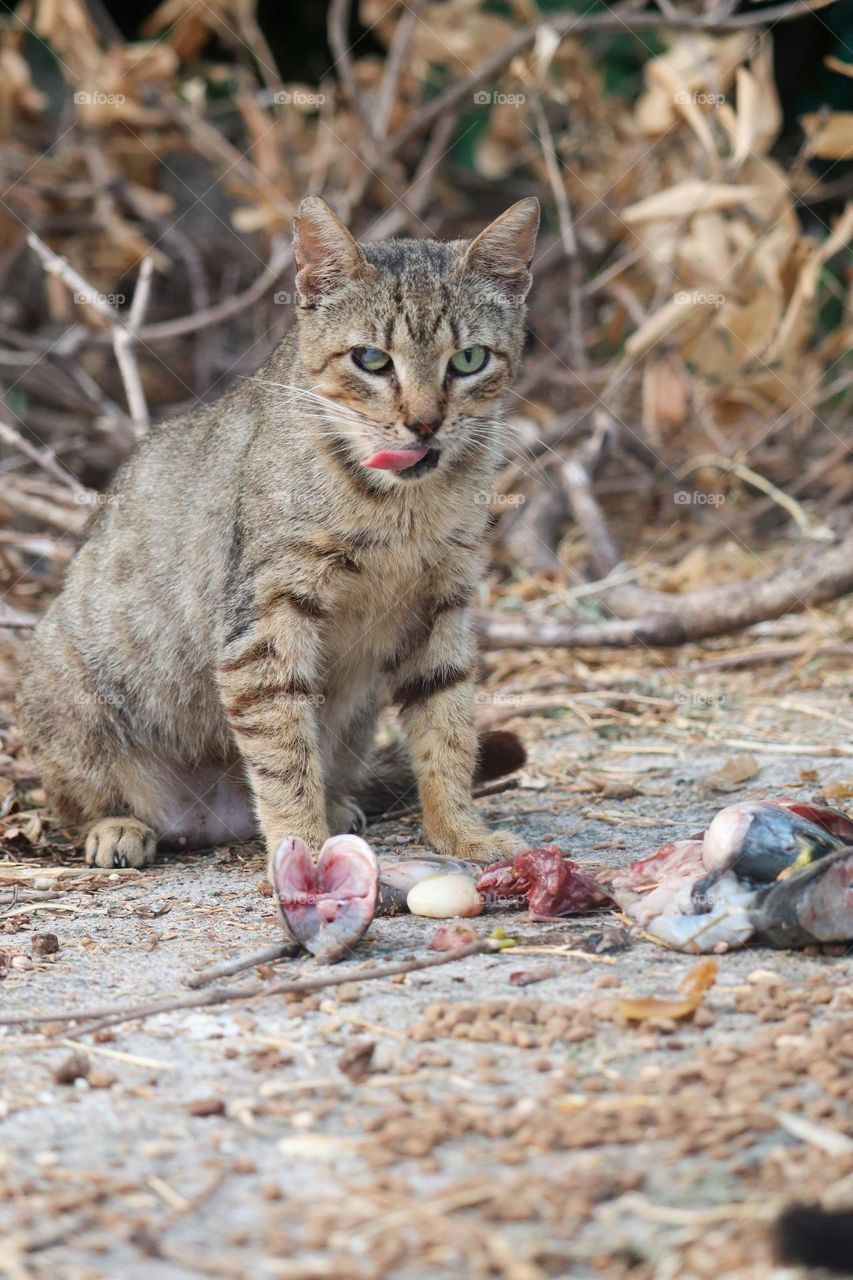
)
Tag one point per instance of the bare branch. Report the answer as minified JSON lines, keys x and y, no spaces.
{"x":659,"y":620}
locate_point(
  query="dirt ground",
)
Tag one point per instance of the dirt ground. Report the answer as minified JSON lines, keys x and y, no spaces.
{"x":450,"y":1123}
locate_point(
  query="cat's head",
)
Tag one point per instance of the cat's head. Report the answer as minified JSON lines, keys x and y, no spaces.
{"x":409,"y":345}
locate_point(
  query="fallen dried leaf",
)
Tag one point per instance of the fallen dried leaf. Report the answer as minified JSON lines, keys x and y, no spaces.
{"x":730,"y":776}
{"x":694,"y":985}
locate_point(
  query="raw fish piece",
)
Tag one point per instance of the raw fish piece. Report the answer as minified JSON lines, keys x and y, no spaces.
{"x":327,"y":907}
{"x":757,"y":841}
{"x":727,"y":922}
{"x":657,"y":893}
{"x":777,"y":871}
{"x":649,"y":885}
{"x":677,"y":858}
{"x":813,"y":904}
{"x":552,"y":884}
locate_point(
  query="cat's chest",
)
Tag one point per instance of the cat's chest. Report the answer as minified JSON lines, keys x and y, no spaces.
{"x":384,"y":596}
{"x":387,"y":581}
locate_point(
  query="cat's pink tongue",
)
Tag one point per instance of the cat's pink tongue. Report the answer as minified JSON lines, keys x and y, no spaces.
{"x":395,"y":459}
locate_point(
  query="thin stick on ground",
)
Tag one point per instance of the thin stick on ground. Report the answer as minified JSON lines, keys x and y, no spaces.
{"x":284,"y":951}
{"x":112,"y":1015}
{"x":760,"y":482}
{"x":589,"y":516}
{"x":411,"y":810}
{"x":124,"y":340}
{"x":18,"y":896}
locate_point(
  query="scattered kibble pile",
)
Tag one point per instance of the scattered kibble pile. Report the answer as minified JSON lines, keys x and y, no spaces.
{"x":525,"y":1023}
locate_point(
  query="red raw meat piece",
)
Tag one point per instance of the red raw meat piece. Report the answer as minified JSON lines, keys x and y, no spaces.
{"x":553,"y":885}
{"x":677,"y":858}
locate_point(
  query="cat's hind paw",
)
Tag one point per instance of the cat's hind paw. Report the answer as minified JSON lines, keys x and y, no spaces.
{"x":120,"y":842}
{"x":346,"y":817}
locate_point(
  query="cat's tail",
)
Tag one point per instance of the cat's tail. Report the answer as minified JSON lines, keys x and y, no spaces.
{"x":810,"y":1236}
{"x":391,"y":784}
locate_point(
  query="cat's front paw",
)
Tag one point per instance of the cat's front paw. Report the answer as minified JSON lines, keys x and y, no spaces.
{"x":489,"y":846}
{"x":120,"y":842}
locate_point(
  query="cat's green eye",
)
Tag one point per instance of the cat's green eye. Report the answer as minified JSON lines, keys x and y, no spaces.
{"x":371,"y":359}
{"x":470,"y":360}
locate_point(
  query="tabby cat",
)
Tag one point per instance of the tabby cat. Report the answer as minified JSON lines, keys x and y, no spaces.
{"x":271,"y":569}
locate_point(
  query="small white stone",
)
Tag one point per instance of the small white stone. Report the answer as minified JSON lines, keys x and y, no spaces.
{"x":759,"y":976}
{"x":443,"y":897}
{"x":303,"y":1120}
{"x":21,"y":962}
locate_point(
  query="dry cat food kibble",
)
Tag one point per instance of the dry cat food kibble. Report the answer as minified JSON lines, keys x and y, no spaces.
{"x":520,"y":1022}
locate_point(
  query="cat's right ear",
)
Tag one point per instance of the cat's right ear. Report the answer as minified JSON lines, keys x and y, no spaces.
{"x":327,"y":256}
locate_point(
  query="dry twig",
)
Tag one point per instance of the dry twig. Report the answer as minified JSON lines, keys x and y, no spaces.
{"x":113,"y":1015}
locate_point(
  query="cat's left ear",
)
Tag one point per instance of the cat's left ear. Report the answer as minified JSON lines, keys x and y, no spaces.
{"x":504,"y":250}
{"x":327,"y":255}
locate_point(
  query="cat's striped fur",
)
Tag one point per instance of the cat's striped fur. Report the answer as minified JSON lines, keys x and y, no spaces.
{"x":251,"y":594}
